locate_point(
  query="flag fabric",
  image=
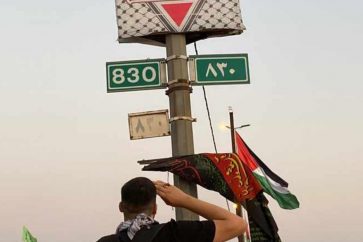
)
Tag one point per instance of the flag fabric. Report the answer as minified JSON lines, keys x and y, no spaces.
{"x":226,"y":174}
{"x":240,"y":180}
{"x":263,"y":227}
{"x":27,"y":236}
{"x":223,"y":172}
{"x":272,"y":184}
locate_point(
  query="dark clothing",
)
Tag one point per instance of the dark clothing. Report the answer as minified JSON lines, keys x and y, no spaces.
{"x":186,"y":231}
{"x":174,"y":231}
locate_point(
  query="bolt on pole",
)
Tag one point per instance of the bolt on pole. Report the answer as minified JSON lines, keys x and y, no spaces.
{"x":180,"y":108}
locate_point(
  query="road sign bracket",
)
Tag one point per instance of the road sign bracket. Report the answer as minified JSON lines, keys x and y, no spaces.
{"x":175,"y":57}
{"x":163,"y":78}
{"x":172,"y":82}
{"x":191,"y":65}
{"x":176,"y":118}
{"x":179,"y":84}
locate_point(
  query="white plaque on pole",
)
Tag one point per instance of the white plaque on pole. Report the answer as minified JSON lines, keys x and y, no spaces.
{"x":149,"y":124}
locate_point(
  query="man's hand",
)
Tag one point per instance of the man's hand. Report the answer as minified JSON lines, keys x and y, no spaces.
{"x":171,"y":195}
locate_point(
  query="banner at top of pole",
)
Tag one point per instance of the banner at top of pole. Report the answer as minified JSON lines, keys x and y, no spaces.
{"x":148,"y":21}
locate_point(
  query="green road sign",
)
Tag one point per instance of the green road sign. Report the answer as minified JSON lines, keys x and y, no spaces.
{"x":219,"y":69}
{"x":135,"y":75}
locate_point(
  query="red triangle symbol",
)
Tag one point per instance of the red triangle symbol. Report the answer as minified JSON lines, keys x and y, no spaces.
{"x":177,"y":11}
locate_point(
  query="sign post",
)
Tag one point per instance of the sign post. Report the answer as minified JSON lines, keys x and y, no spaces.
{"x":180,"y":112}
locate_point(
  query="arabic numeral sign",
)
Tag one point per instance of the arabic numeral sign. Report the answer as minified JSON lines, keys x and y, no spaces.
{"x":219,"y":69}
{"x":135,"y":75}
{"x":149,"y":124}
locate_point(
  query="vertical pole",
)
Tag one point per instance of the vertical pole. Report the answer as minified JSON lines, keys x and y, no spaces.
{"x":233,"y":141}
{"x":179,"y":102}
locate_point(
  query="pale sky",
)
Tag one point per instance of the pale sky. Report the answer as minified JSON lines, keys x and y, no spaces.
{"x":64,"y":142}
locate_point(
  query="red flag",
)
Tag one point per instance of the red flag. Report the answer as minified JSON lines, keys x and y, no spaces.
{"x":238,"y":177}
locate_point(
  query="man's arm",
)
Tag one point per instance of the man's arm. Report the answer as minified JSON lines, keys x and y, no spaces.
{"x":227,"y":225}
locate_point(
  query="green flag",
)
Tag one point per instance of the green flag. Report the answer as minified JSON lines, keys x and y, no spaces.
{"x":27,"y":236}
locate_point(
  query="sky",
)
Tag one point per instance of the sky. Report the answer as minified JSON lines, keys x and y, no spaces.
{"x":64,"y":141}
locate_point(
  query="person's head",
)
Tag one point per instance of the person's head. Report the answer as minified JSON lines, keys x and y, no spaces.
{"x":138,"y":196}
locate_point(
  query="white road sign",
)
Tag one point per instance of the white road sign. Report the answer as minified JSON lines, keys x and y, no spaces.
{"x":149,"y":124}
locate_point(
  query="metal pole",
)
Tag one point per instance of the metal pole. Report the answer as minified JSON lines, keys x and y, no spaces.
{"x":241,"y":238}
{"x":180,"y":110}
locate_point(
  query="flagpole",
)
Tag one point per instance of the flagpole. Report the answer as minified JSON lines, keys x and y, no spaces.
{"x":242,"y":237}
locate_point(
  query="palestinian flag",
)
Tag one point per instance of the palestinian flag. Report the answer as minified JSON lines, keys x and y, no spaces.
{"x":271,"y":183}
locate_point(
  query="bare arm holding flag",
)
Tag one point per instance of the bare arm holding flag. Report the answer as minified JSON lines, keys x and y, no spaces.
{"x":227,"y":225}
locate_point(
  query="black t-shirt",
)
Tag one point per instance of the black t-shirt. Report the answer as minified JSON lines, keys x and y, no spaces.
{"x":186,"y":231}
{"x":179,"y":231}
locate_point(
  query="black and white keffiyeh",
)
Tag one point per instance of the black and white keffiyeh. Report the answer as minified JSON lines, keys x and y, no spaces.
{"x":135,"y":225}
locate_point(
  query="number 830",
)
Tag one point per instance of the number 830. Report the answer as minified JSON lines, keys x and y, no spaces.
{"x":148,"y":74}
